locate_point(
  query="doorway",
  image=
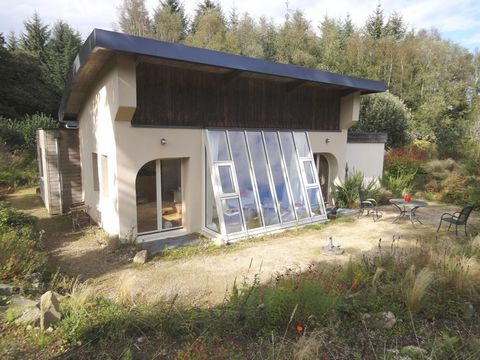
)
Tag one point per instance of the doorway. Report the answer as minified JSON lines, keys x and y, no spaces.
{"x":323,"y":174}
{"x":159,"y":196}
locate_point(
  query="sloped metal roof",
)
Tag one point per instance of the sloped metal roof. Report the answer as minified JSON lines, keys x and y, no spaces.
{"x":101,"y":44}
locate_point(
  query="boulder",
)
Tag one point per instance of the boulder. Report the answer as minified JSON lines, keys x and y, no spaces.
{"x":49,"y":310}
{"x":140,"y":257}
{"x":382,"y":320}
{"x":18,"y":305}
{"x":30,"y":316}
{"x":6,"y":289}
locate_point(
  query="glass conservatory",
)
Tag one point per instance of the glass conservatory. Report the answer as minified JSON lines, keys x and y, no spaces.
{"x":260,"y":181}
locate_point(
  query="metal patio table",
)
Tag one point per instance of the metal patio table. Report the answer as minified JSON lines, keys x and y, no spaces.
{"x":408,"y":208}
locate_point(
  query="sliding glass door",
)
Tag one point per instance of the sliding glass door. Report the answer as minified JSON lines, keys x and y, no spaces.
{"x":261,"y":180}
{"x":159,"y":196}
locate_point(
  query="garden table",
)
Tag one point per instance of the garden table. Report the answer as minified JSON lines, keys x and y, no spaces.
{"x":408,"y":208}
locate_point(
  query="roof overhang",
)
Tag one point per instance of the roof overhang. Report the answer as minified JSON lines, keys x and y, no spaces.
{"x":101,"y":45}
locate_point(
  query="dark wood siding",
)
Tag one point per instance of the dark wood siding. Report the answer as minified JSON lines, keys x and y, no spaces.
{"x":172,"y":96}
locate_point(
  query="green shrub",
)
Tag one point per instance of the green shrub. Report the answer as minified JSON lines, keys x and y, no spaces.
{"x":17,"y":169}
{"x":21,"y":134}
{"x":398,"y":184}
{"x":20,"y":253}
{"x":20,"y":244}
{"x":385,"y":113}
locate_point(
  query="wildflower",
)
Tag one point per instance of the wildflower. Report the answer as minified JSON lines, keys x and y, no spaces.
{"x":355,"y":283}
{"x":299,"y":328}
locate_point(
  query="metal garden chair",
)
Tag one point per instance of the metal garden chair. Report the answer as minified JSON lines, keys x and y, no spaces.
{"x":369,"y":206}
{"x":457,"y":218}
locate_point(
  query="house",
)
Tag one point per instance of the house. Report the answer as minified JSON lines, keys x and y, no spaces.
{"x":176,"y":139}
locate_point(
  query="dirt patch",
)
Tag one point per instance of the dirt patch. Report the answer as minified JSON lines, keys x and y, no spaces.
{"x":205,"y":279}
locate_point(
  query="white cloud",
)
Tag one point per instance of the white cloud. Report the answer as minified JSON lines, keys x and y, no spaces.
{"x":446,"y":15}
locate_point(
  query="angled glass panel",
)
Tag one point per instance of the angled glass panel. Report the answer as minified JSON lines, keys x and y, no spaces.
{"x":218,"y":145}
{"x":309,"y":172}
{"x":279,"y":179}
{"x":231,"y":215}
{"x":289,"y":153}
{"x":301,"y":143}
{"x":244,"y":179}
{"x":314,"y":199}
{"x":211,"y":215}
{"x":257,"y":152}
{"x":226,"y":181}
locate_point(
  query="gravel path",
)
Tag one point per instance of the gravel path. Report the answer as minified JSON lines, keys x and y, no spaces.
{"x":205,"y":279}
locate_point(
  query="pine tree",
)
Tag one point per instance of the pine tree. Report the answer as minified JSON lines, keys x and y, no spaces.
{"x":60,"y":52}
{"x":268,"y":38}
{"x":395,"y":26}
{"x":12,"y":42}
{"x":169,"y":21}
{"x":134,"y":18}
{"x":347,"y":27}
{"x":210,"y":31}
{"x":35,"y":37}
{"x":202,"y":9}
{"x":374,"y":25}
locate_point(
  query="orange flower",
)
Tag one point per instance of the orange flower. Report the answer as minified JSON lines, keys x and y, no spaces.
{"x":355,"y":283}
{"x":299,"y":328}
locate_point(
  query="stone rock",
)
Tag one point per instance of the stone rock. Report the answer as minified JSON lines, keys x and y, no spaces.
{"x":413,"y":352}
{"x":140,"y":257}
{"x":19,"y":305}
{"x":49,"y":310}
{"x":30,"y":316}
{"x":6,"y":289}
{"x":383,"y":320}
{"x":35,"y":280}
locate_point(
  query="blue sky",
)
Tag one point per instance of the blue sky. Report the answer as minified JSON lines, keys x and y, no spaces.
{"x":456,"y":20}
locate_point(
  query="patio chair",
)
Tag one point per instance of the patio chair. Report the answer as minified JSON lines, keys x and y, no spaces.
{"x":457,"y":218}
{"x":369,"y":206}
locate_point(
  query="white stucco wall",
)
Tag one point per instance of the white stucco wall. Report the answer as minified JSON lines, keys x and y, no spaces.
{"x":366,"y":158}
{"x":136,"y":146}
{"x":96,"y":122}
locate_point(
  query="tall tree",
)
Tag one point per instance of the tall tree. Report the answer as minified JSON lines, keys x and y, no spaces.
{"x":169,"y":21}
{"x":395,"y":26}
{"x":35,"y":38}
{"x":202,"y":9}
{"x":296,"y":42}
{"x":210,"y":31}
{"x":12,"y":42}
{"x":244,"y":38}
{"x":134,"y":19}
{"x":268,"y":38}
{"x":375,"y":23}
{"x":60,"y":52}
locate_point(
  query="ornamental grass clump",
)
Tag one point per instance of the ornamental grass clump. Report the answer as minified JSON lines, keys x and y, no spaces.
{"x":417,"y":286}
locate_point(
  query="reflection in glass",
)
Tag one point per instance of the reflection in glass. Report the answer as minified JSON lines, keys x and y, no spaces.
{"x":146,"y":188}
{"x":259,"y":160}
{"x":218,"y":145}
{"x":241,"y":162}
{"x":314,"y":198}
{"x":309,"y":172}
{"x":226,"y":181}
{"x":293,"y":174}
{"x":171,"y":183}
{"x":231,"y":215}
{"x":211,"y":215}
{"x":279,"y":180}
{"x":301,"y":143}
